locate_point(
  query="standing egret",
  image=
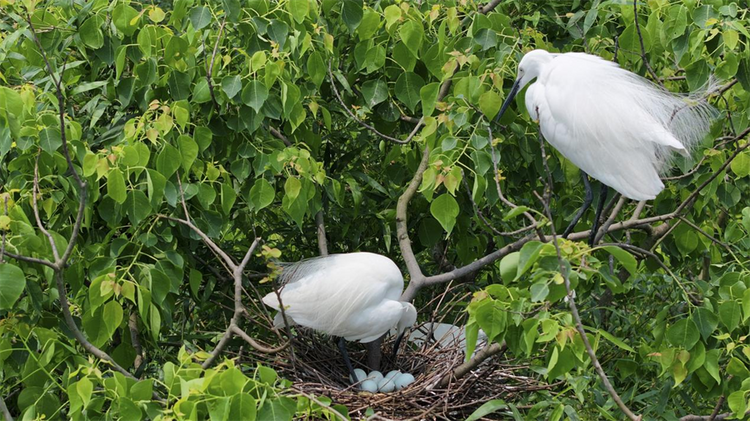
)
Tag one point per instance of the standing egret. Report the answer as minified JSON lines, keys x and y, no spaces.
{"x":354,"y":296}
{"x":616,"y":126}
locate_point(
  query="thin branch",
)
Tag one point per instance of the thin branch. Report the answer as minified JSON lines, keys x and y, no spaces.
{"x":277,"y":134}
{"x":717,"y":408}
{"x":322,"y":242}
{"x":4,"y":410}
{"x":496,"y":177}
{"x":484,"y":220}
{"x":365,"y":125}
{"x":65,"y":307}
{"x":35,"y":207}
{"x":209,"y":72}
{"x":2,"y":248}
{"x":473,"y":363}
{"x":643,"y":47}
{"x":605,"y":226}
{"x":134,"y":340}
{"x":30,"y":259}
{"x":264,"y":349}
{"x":571,"y":299}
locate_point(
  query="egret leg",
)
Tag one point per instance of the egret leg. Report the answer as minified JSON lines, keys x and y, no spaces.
{"x":396,"y":345}
{"x":603,"y":190}
{"x":347,"y":361}
{"x":587,"y":199}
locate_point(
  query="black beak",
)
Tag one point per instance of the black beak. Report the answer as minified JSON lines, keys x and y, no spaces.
{"x":512,"y":94}
{"x":396,"y":345}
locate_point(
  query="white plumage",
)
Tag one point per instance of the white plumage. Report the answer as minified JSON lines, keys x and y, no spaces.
{"x":616,"y":126}
{"x":354,"y":296}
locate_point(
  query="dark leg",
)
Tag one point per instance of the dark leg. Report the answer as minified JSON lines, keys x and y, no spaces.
{"x":586,"y":204}
{"x":396,"y":345}
{"x":347,"y":361}
{"x":603,"y":190}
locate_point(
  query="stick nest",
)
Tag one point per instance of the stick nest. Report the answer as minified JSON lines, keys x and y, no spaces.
{"x":319,"y":370}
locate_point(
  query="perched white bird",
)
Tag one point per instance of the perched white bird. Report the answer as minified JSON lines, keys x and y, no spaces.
{"x":616,"y":126}
{"x":354,"y":296}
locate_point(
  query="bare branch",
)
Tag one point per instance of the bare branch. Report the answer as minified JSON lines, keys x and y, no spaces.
{"x":134,"y":340}
{"x":266,"y":350}
{"x":227,"y":260}
{"x":484,"y":220}
{"x":30,"y":259}
{"x":4,"y":410}
{"x":277,"y":134}
{"x":322,"y":242}
{"x":643,"y":47}
{"x":365,"y":125}
{"x":473,"y":363}
{"x":605,"y":226}
{"x":65,"y":307}
{"x":209,"y":72}
{"x":35,"y":207}
{"x":571,"y":299}
{"x":402,"y":229}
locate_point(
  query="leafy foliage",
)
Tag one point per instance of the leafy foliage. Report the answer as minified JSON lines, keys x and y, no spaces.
{"x":230,"y":104}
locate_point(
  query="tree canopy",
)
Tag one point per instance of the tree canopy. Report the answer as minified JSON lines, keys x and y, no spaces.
{"x":158,"y":159}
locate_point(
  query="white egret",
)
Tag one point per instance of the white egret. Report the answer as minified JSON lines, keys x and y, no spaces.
{"x":353,"y":296}
{"x":616,"y":126}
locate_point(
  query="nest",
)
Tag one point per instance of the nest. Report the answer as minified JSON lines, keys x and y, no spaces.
{"x":319,"y":370}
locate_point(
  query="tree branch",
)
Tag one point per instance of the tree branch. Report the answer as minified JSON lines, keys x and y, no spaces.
{"x":322,"y":242}
{"x":209,"y":72}
{"x":365,"y":125}
{"x":473,"y":363}
{"x":643,"y":47}
{"x":4,"y":410}
{"x":277,"y":134}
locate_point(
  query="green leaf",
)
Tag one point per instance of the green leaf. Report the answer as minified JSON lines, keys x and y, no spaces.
{"x":741,"y":165}
{"x":615,"y":340}
{"x":428,"y":94}
{"x":112,"y":316}
{"x":12,"y":284}
{"x":261,"y":194}
{"x":738,"y":402}
{"x":706,"y":321}
{"x":299,"y":9}
{"x":528,"y":256}
{"x":412,"y":34}
{"x":515,"y":212}
{"x":445,"y":209}
{"x":91,"y":33}
{"x":137,"y":207}
{"x":316,"y":68}
{"x":88,"y":86}
{"x":487,"y":408}
{"x":254,"y":95}
{"x":374,"y":92}
{"x":509,"y":266}
{"x":292,"y":187}
{"x":116,"y":186}
{"x":729,"y":314}
{"x":408,"y":86}
{"x":492,"y":318}
{"x":168,"y":160}
{"x":200,"y":17}
{"x":228,"y":196}
{"x":490,"y":103}
{"x":50,"y":139}
{"x":683,"y":334}
{"x":122,"y":16}
{"x":231,"y":85}
{"x":539,"y":291}
{"x":179,"y":85}
{"x":188,"y":151}
{"x":369,"y":25}
{"x":626,"y":259}
{"x":351,"y":14}
{"x":243,"y":407}
{"x":486,"y":38}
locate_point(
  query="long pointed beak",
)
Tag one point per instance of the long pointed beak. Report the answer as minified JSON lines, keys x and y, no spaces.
{"x":512,"y":94}
{"x":396,"y":345}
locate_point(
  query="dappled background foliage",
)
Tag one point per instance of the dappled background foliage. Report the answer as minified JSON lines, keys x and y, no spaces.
{"x":264,"y":114}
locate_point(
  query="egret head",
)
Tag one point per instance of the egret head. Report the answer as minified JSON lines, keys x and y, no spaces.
{"x":528,"y":69}
{"x":408,"y":318}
